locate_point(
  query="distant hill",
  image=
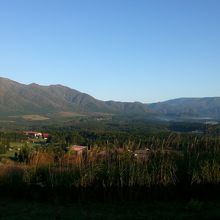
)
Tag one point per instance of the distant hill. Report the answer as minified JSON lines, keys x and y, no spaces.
{"x":20,"y":99}
{"x":194,"y":107}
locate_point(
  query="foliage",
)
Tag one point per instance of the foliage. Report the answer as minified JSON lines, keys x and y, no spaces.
{"x":165,"y":160}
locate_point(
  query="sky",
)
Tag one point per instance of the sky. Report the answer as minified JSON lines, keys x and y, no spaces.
{"x":123,"y":50}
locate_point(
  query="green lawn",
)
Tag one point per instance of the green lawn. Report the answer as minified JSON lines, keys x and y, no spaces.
{"x":15,"y":145}
{"x":24,"y":210}
{"x":10,"y":153}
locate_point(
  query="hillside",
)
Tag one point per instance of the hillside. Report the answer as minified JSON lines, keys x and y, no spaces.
{"x":20,"y":99}
{"x":194,"y":107}
{"x":33,"y":99}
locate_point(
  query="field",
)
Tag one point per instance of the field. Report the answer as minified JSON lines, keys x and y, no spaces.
{"x":132,"y":171}
{"x":34,"y":118}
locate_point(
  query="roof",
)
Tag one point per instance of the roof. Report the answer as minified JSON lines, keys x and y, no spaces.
{"x":31,"y":132}
{"x":46,"y":135}
{"x":77,"y":148}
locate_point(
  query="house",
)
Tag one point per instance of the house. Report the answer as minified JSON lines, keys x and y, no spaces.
{"x":45,"y":136}
{"x":33,"y":134}
{"x":78,"y":149}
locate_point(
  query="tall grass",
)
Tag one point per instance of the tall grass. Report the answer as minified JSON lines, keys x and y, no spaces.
{"x":161,"y":163}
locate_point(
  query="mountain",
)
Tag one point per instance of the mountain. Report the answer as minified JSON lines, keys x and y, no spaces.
{"x":191,"y":107}
{"x":20,"y":99}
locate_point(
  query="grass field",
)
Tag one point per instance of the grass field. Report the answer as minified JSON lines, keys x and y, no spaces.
{"x":24,"y":210}
{"x":14,"y":146}
{"x":35,"y":117}
{"x":175,"y":179}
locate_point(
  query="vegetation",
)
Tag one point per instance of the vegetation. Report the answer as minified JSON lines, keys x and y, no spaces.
{"x":131,"y":169}
{"x":177,"y":163}
{"x":184,"y":210}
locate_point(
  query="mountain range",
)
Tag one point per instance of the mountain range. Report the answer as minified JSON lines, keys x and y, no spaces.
{"x":20,"y":99}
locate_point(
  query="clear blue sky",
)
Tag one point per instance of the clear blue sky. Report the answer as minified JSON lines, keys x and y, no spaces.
{"x":127,"y":50}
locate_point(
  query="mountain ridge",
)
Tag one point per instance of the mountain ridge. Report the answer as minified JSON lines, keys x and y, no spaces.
{"x":34,"y":98}
{"x":19,"y":99}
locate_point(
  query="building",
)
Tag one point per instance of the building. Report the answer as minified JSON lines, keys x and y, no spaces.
{"x":33,"y":134}
{"x":45,"y":136}
{"x":78,"y":149}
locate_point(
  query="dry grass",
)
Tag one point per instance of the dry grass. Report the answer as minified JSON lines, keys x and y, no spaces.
{"x":35,"y":118}
{"x":106,"y":168}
